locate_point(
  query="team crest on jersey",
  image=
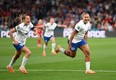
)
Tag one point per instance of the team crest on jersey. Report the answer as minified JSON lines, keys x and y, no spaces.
{"x":78,"y":27}
{"x":18,"y":28}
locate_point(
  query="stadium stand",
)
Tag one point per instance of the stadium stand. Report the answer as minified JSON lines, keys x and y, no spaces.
{"x":64,"y":11}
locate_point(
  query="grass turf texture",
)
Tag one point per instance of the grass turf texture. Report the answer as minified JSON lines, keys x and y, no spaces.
{"x":61,"y":67}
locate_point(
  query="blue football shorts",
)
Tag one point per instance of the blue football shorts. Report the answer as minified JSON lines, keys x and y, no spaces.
{"x":75,"y":46}
{"x":46,"y":39}
{"x":18,"y":47}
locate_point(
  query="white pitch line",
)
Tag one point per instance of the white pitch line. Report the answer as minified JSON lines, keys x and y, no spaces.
{"x":53,"y":70}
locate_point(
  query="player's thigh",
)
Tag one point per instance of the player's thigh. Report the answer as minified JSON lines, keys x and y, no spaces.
{"x":46,"y":43}
{"x":46,"y":39}
{"x":85,"y":49}
{"x":39,"y":35}
{"x":53,"y":39}
{"x":17,"y":53}
{"x":25,"y":49}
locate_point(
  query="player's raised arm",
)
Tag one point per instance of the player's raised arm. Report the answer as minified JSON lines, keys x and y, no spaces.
{"x":40,"y":24}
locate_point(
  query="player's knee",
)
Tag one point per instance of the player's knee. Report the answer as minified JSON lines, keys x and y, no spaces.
{"x":53,"y":41}
{"x":72,"y":56}
{"x":28,"y":53}
{"x":18,"y":56}
{"x":87,"y":54}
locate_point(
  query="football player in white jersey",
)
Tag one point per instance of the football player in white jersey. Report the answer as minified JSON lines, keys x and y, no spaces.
{"x":49,"y":35}
{"x":78,"y":39}
{"x":19,"y":43}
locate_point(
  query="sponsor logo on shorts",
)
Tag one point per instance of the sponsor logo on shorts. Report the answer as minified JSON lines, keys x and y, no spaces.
{"x":73,"y":48}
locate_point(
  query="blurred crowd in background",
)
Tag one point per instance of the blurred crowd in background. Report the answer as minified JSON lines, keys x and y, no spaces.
{"x":68,"y":12}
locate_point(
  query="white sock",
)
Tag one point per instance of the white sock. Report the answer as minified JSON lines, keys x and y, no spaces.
{"x":44,"y":47}
{"x":24,"y":61}
{"x":53,"y":46}
{"x":87,"y":65}
{"x":12,"y":61}
{"x":62,"y":50}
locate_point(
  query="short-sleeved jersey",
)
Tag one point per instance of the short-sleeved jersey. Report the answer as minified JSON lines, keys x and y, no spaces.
{"x":81,"y":28}
{"x":50,"y":29}
{"x":22,"y":32}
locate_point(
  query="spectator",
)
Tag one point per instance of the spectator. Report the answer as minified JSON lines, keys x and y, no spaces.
{"x":67,"y":11}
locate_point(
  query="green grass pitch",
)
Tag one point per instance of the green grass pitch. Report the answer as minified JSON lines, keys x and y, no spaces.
{"x":61,"y":67}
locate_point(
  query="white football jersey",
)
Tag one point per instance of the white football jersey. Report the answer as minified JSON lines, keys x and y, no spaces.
{"x":22,"y":32}
{"x":82,"y":28}
{"x":50,"y":29}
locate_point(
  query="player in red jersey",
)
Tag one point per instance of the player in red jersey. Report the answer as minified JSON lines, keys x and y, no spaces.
{"x":39,"y":31}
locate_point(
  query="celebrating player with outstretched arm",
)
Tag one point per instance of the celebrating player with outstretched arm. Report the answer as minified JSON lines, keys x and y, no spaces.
{"x":78,"y":39}
{"x":49,"y":34}
{"x":19,"y":43}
